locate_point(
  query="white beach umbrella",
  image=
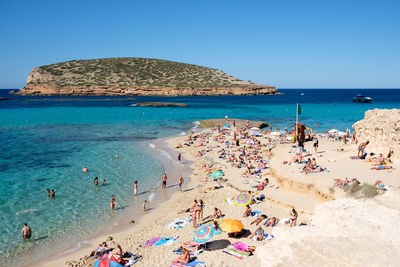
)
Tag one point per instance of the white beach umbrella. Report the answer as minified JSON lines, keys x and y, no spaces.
{"x":275,"y":133}
{"x":256,"y":133}
{"x":255,"y":129}
{"x":341,"y":133}
{"x":333,"y":131}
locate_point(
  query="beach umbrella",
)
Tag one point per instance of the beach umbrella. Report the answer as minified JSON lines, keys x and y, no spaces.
{"x":217,"y":174}
{"x":231,"y":225}
{"x":257,"y":133}
{"x":249,"y":142}
{"x":255,"y":129}
{"x":203,"y":233}
{"x":105,"y":262}
{"x":333,"y":131}
{"x":341,"y":133}
{"x":227,"y":126}
{"x":275,"y":133}
{"x":242,"y":200}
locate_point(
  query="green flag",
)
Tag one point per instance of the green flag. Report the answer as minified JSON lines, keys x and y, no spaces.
{"x":298,"y":109}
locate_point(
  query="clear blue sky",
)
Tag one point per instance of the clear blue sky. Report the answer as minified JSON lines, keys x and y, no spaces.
{"x":289,"y":44}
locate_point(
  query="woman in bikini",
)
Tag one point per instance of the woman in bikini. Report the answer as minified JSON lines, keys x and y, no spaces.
{"x":293,"y":217}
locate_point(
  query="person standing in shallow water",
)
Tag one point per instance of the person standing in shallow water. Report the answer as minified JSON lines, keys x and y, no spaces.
{"x":26,"y":232}
{"x":135,"y":188}
{"x":164,"y":180}
{"x":112,"y":202}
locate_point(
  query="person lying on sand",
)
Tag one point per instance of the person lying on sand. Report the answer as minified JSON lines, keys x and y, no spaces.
{"x":189,"y":209}
{"x":258,"y":220}
{"x":258,"y":234}
{"x":184,"y":258}
{"x":99,"y":251}
{"x":381,"y":185}
{"x":387,"y":167}
{"x":272,"y":221}
{"x":215,"y":187}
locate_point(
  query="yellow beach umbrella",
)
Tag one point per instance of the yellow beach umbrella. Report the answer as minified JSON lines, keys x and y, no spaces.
{"x":231,"y":225}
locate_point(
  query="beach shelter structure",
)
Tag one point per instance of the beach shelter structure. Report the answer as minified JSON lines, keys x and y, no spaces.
{"x":242,"y":199}
{"x":231,"y":225}
{"x":203,"y":233}
{"x":300,"y":130}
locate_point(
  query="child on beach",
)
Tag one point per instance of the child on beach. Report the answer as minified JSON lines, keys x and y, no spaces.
{"x":145,"y":205}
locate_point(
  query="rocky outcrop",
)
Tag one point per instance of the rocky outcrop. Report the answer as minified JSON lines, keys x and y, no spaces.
{"x":381,"y":127}
{"x":136,"y":76}
{"x":160,"y":104}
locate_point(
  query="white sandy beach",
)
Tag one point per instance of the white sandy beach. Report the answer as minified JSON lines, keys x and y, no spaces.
{"x":312,"y":195}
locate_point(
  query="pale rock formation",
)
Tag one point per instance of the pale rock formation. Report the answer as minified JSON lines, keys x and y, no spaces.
{"x":381,"y":127}
{"x":343,"y":232}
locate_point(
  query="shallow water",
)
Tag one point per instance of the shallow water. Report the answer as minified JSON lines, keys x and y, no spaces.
{"x":45,"y":144}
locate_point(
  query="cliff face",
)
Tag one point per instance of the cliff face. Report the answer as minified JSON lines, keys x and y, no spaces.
{"x":135,"y":76}
{"x":381,"y":127}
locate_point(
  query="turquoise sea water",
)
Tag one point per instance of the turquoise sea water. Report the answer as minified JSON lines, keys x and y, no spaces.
{"x":45,"y":144}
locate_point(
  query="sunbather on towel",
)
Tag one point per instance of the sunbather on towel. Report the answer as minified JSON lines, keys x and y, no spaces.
{"x":272,"y":221}
{"x":184,"y":258}
{"x":247,"y":212}
{"x":258,"y":234}
{"x":258,"y":220}
{"x":99,"y":251}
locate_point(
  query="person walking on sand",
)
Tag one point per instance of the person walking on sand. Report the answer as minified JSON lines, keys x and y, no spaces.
{"x":180,"y":158}
{"x":164,"y":180}
{"x":180,"y":182}
{"x":112,"y":202}
{"x":315,"y":141}
{"x":26,"y":232}
{"x":145,"y":205}
{"x":135,"y":188}
{"x":293,"y":217}
{"x":361,"y":148}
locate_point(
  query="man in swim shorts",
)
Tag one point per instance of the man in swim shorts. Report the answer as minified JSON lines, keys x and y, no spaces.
{"x":361,"y":148}
{"x":164,"y":180}
{"x":180,"y":182}
{"x":26,"y":232}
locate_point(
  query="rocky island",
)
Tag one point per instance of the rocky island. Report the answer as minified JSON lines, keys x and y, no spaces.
{"x":135,"y":76}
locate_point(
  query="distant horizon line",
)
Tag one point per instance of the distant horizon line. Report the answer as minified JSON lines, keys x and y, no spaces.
{"x":298,"y":88}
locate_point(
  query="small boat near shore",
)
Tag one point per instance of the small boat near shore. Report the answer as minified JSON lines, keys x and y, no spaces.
{"x":362,"y":99}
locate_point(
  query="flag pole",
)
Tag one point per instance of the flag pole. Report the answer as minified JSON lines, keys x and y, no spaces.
{"x":297,"y":117}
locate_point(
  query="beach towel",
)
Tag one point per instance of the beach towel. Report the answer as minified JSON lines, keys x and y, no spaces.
{"x":254,"y":213}
{"x":354,"y":157}
{"x":237,"y":253}
{"x":151,"y":242}
{"x":165,"y":241}
{"x":268,"y":236}
{"x":275,"y":224}
{"x":178,"y":223}
{"x":192,"y":263}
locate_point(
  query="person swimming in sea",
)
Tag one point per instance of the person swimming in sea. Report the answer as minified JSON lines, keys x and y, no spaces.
{"x":26,"y":232}
{"x":96,"y":181}
{"x":104,"y":182}
{"x":85,"y":169}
